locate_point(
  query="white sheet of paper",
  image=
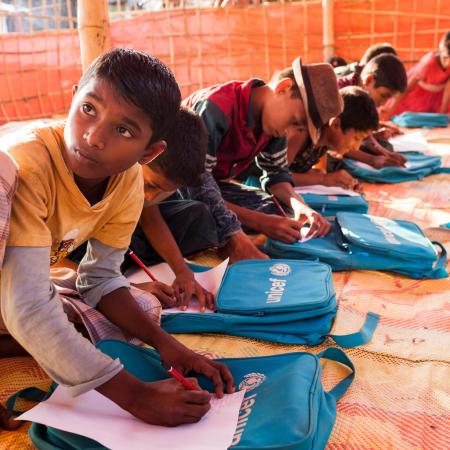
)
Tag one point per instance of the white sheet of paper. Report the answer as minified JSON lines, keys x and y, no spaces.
{"x":363,"y":165}
{"x":209,"y":280}
{"x":410,"y":142}
{"x":303,"y":233}
{"x":325,"y":190}
{"x":95,"y":416}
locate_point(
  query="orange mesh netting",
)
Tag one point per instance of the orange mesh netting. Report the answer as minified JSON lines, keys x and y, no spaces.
{"x":204,"y":46}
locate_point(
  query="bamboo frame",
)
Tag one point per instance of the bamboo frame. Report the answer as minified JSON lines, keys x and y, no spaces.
{"x":202,"y":46}
{"x":93,"y":29}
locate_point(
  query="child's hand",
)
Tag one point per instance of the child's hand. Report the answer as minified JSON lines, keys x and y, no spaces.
{"x":186,"y":361}
{"x":185,"y":286}
{"x":7,"y":421}
{"x":342,"y":179}
{"x":391,"y":126}
{"x":169,"y":403}
{"x":390,"y":160}
{"x":288,"y":230}
{"x":318,"y":225}
{"x":239,"y":247}
{"x":163,"y":292}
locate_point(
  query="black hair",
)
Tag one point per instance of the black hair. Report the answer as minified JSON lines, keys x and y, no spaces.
{"x":360,"y":112}
{"x":336,"y":61}
{"x":388,"y":71}
{"x":184,"y":160}
{"x":141,"y":79}
{"x":375,"y":50}
{"x":444,"y":44}
{"x":289,"y":73}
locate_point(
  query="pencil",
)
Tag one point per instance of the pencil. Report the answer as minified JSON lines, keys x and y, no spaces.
{"x":141,"y":265}
{"x":277,"y":203}
{"x":177,"y":375}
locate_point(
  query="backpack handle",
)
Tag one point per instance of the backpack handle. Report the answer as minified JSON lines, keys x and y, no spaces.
{"x":336,"y":354}
{"x":363,"y":336}
{"x":30,"y":393}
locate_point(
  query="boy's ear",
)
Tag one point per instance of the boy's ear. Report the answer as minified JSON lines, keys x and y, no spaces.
{"x":369,"y":80}
{"x":74,"y":89}
{"x":335,"y":123}
{"x":283,"y":85}
{"x":153,"y":151}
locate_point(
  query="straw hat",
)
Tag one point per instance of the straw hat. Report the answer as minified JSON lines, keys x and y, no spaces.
{"x":320,"y":94}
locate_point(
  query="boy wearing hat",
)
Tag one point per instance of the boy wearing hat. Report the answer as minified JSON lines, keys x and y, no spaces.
{"x":248,"y":120}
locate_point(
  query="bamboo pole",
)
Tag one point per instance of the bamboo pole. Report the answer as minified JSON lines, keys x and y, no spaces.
{"x":328,"y":28}
{"x":93,"y":29}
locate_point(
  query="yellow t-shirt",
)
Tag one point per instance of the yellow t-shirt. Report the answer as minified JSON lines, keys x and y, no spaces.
{"x":49,"y":209}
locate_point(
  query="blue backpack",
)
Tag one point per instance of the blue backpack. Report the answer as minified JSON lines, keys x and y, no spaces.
{"x":421,"y":120}
{"x":361,"y":241}
{"x":290,"y":302}
{"x":329,"y":205}
{"x":420,"y":166}
{"x":289,"y":384}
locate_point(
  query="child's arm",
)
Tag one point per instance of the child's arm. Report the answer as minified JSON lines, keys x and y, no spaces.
{"x":387,"y":111}
{"x":105,"y":288}
{"x":446,"y":99}
{"x":339,"y":178}
{"x":377,"y":161}
{"x":160,"y":237}
{"x":33,"y":314}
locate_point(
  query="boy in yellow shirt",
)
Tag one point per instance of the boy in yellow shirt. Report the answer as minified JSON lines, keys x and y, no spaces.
{"x":80,"y":181}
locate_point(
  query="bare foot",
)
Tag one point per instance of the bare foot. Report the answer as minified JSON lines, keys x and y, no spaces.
{"x":239,"y":247}
{"x":7,"y":421}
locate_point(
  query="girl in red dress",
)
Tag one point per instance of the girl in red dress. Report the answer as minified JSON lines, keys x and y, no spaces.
{"x":428,"y":84}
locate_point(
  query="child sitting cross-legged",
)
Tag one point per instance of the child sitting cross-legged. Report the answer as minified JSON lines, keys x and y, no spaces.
{"x":341,"y":134}
{"x":80,"y":181}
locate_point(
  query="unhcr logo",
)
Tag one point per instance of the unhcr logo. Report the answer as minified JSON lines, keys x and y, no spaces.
{"x":251,"y":381}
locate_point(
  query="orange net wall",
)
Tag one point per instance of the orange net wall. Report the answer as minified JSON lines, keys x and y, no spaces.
{"x":204,"y":46}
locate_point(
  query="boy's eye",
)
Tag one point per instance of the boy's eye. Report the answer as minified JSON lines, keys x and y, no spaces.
{"x":88,"y":109}
{"x":124,"y":132}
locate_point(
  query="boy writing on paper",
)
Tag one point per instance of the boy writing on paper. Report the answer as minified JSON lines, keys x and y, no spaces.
{"x":247,"y":120}
{"x":382,"y":77}
{"x":80,"y":180}
{"x":340,"y":135}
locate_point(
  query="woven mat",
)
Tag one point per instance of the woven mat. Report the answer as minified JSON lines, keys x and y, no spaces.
{"x":400,"y":398}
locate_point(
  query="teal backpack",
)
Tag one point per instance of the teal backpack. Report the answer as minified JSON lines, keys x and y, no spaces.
{"x":285,"y":406}
{"x":419,"y":166}
{"x":329,"y":205}
{"x":289,"y":301}
{"x":421,"y":120}
{"x":361,"y":241}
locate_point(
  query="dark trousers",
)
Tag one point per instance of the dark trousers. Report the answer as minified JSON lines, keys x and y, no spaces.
{"x":189,"y":221}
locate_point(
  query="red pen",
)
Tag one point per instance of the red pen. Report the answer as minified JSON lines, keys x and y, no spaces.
{"x":277,"y":204}
{"x":177,"y":375}
{"x":141,"y":265}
